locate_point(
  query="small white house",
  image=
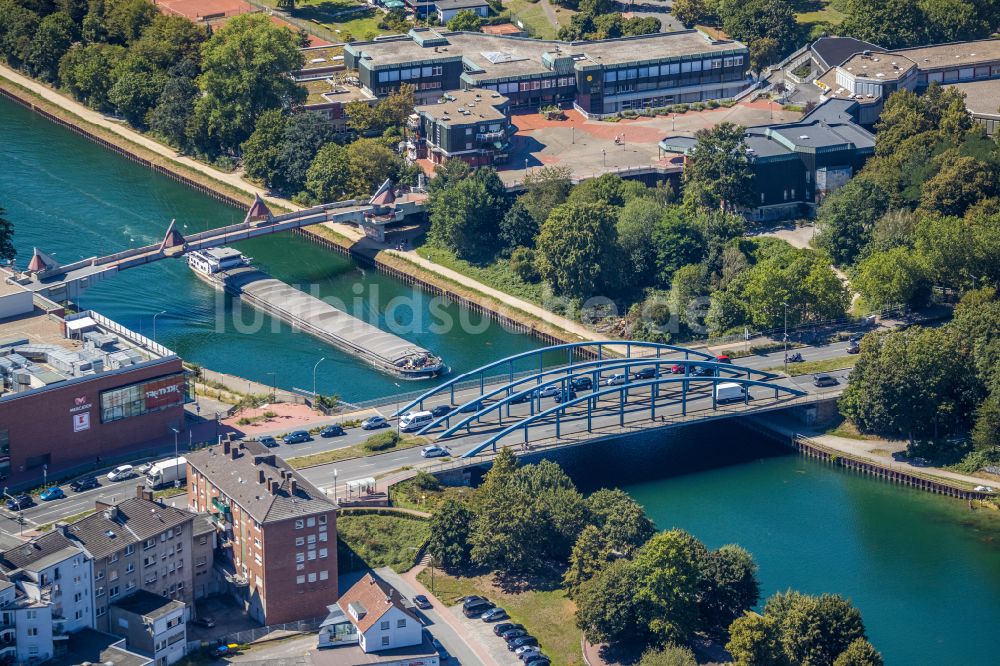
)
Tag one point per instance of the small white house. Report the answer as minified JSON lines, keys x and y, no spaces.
{"x":372,"y":615}
{"x":446,"y":9}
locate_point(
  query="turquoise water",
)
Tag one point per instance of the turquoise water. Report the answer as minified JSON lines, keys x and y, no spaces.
{"x":74,"y":199}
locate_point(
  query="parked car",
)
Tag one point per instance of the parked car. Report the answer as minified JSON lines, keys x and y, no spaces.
{"x":825,"y":380}
{"x":143,"y":468}
{"x":505,"y":626}
{"x":703,"y":371}
{"x":472,"y":599}
{"x":333,"y":430}
{"x":520,"y":642}
{"x":646,"y":373}
{"x":478,"y":608}
{"x":583,"y":383}
{"x":53,"y":493}
{"x":441,"y":410}
{"x":853,"y":347}
{"x":20,"y":502}
{"x":268,"y":441}
{"x":519,"y":398}
{"x":677,"y":369}
{"x":434,"y":451}
{"x":374,"y":423}
{"x":88,"y":483}
{"x":494,"y":615}
{"x":565,"y":396}
{"x":297,"y":437}
{"x":615,"y":380}
{"x":722,"y":358}
{"x":538,"y":660}
{"x":420,"y":601}
{"x":121,"y":473}
{"x":526,"y":652}
{"x":511,"y":634}
{"x":442,"y":653}
{"x":984,"y":489}
{"x":203,"y":622}
{"x":474,"y":407}
{"x":546,"y":391}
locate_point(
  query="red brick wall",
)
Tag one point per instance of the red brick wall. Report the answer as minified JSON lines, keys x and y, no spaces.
{"x":42,"y":422}
{"x":285,"y":599}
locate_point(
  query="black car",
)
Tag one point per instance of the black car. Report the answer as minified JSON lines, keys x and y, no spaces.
{"x":268,"y":441}
{"x":703,"y":371}
{"x":537,"y":660}
{"x":441,"y":410}
{"x":478,"y":608}
{"x":505,"y":626}
{"x":203,"y":622}
{"x":471,"y":600}
{"x":581,"y":383}
{"x":511,"y":634}
{"x":853,"y":347}
{"x":646,"y":373}
{"x":20,"y":502}
{"x":80,"y":485}
{"x":296,"y":437}
{"x":474,"y":407}
{"x":332,"y":431}
{"x":565,"y":396}
{"x":420,"y":601}
{"x":521,"y":641}
{"x":518,"y":399}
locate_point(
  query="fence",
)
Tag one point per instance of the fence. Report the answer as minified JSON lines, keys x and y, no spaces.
{"x":251,"y":635}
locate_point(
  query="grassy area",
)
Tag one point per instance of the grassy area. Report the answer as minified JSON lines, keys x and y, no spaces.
{"x":379,"y":540}
{"x":812,"y":12}
{"x":826,"y":365}
{"x":348,"y":452}
{"x":408,"y":495}
{"x":68,"y":519}
{"x":169,"y":492}
{"x":547,"y":614}
{"x":498,"y":274}
{"x":532,"y":16}
{"x":346,"y":19}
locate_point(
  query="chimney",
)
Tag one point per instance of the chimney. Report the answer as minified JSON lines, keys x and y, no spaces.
{"x":275,"y":487}
{"x":291,"y":486}
{"x":268,"y":482}
{"x":235,"y":453}
{"x":260,"y":476}
{"x":226,"y":445}
{"x":141,"y":492}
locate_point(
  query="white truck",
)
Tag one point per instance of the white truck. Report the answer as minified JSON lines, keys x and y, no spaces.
{"x":729,"y":392}
{"x":165,"y":472}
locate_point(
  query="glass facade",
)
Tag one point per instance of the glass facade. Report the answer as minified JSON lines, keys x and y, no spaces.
{"x":144,"y":397}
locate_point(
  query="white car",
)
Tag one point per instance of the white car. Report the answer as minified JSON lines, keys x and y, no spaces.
{"x":121,"y":473}
{"x":615,"y":380}
{"x":433,"y":451}
{"x":983,"y":489}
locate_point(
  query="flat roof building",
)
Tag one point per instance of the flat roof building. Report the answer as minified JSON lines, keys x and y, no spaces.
{"x":470,"y":125}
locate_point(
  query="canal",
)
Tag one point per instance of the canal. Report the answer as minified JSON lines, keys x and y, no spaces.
{"x":74,"y":199}
{"x":924,"y":570}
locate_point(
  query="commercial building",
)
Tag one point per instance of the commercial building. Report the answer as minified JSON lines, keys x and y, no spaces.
{"x":138,"y":544}
{"x":598,"y":78}
{"x":75,"y":388}
{"x":152,"y":625}
{"x":982,"y":100}
{"x":277,"y":532}
{"x":466,"y":124}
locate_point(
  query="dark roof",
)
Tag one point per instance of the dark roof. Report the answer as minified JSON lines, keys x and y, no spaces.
{"x":147,"y":604}
{"x":202,"y":525}
{"x":831,"y":51}
{"x":51,"y":545}
{"x":96,"y":647}
{"x":132,"y":521}
{"x":238,"y":478}
{"x":445,"y":5}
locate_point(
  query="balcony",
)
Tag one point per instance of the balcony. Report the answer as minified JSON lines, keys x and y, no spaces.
{"x":228,"y":571}
{"x":499,"y":135}
{"x":222,"y":507}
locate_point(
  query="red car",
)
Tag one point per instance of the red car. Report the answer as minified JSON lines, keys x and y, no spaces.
{"x":677,"y":369}
{"x":723,"y":359}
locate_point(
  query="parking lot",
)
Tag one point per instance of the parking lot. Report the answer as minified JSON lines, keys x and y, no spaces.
{"x":483,"y":632}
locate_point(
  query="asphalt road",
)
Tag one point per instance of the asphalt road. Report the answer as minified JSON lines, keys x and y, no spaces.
{"x":606,"y":418}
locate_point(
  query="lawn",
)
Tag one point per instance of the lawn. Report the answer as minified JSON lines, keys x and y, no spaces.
{"x":812,"y":12}
{"x":497,"y":274}
{"x":344,"y":18}
{"x":848,"y":430}
{"x":371,"y":540}
{"x":547,"y":614}
{"x":408,"y":495}
{"x":348,"y":452}
{"x":812,"y":367}
{"x":532,"y":16}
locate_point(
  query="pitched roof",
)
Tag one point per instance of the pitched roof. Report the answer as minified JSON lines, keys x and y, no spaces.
{"x":131,"y":521}
{"x":831,"y":51}
{"x":258,"y":210}
{"x":41,"y":262}
{"x":172,"y":238}
{"x":369,"y":599}
{"x":238,"y":475}
{"x":39,"y":553}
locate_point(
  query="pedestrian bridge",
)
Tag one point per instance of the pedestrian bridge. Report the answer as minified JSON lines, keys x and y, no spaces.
{"x":584,"y":390}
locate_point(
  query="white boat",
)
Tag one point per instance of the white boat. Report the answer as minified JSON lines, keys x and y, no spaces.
{"x":213,"y":260}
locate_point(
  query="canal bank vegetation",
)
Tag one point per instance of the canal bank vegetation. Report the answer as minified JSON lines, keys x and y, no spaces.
{"x":380,"y":539}
{"x":561,"y":563}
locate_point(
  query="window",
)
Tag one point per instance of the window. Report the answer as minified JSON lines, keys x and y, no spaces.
{"x":300,"y":557}
{"x":385,"y":625}
{"x":611,"y":75}
{"x":322,"y":553}
{"x":323,"y":575}
{"x":32,"y":615}
{"x":113,"y":591}
{"x":400,"y":623}
{"x":203,"y":540}
{"x":148,"y":543}
{"x":141,"y":398}
{"x":300,"y":579}
{"x":385,"y":639}
{"x":322,"y":520}
{"x":99,"y":592}
{"x":129,"y":549}
{"x":300,"y":541}
{"x":99,"y":575}
{"x":322,"y":536}
{"x":129,"y":568}
{"x":113,"y":558}
{"x":312,"y":578}
{"x":101,"y":611}
{"x":312,"y":555}
{"x":685,"y":67}
{"x":299,"y":524}
{"x":312,"y":538}
{"x":32,"y":631}
{"x":696,"y":66}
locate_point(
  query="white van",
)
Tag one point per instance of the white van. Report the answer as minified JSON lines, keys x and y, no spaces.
{"x":414,"y":420}
{"x":729,"y":392}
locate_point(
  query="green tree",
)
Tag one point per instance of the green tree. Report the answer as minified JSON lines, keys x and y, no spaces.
{"x":576,"y":248}
{"x":859,"y":653}
{"x":891,"y":278}
{"x":622,"y":521}
{"x":448,"y":174}
{"x":327,"y":178}
{"x":92,"y":28}
{"x":958,"y":185}
{"x":466,"y":20}
{"x":799,"y":282}
{"x":986,"y":431}
{"x":637,"y":222}
{"x":465,"y":216}
{"x":370,"y":164}
{"x":245,"y":67}
{"x":952,"y":20}
{"x":678,"y":241}
{"x":544,"y":189}
{"x":589,"y":556}
{"x":754,"y":640}
{"x":915,"y":383}
{"x":718,"y":172}
{"x":669,"y":567}
{"x":752,"y":21}
{"x":814,"y":629}
{"x":55,"y":35}
{"x":888,"y":23}
{"x":690,"y":12}
{"x":451,"y":525}
{"x":607,"y":189}
{"x":729,"y":586}
{"x":86,"y":72}
{"x":18,"y":27}
{"x":846,"y":218}
{"x":125,"y":20}
{"x":608,"y":609}
{"x":137,"y":85}
{"x":262,"y":151}
{"x":304,"y":135}
{"x":174,"y":110}
{"x":671,"y":655}
{"x":169,"y":40}
{"x":7,"y":250}
{"x":517,"y":228}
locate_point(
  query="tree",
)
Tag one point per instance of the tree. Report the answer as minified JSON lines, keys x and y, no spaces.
{"x":753,"y":21}
{"x":797,"y":281}
{"x":137,"y":85}
{"x":370,"y":165}
{"x":262,"y":151}
{"x":466,"y":20}
{"x":678,"y":241}
{"x":637,"y":223}
{"x":451,"y":172}
{"x":888,"y":23}
{"x":986,"y":431}
{"x":607,"y":189}
{"x":305,"y":133}
{"x":451,"y":525}
{"x":608,"y":609}
{"x":914,"y":383}
{"x":544,"y":189}
{"x":763,"y":52}
{"x":86,"y":72}
{"x":589,"y":556}
{"x":169,"y":40}
{"x":328,"y":175}
{"x":125,"y":20}
{"x":952,"y":20}
{"x":690,"y":12}
{"x":174,"y":109}
{"x":576,"y":248}
{"x":718,"y":171}
{"x":859,"y":653}
{"x":517,"y":228}
{"x":18,"y":27}
{"x":245,"y":65}
{"x":466,"y":215}
{"x":754,"y":640}
{"x":669,"y":567}
{"x":814,"y":629}
{"x":522,"y":262}
{"x":7,"y":250}
{"x":958,"y":185}
{"x":846,"y":218}
{"x":55,"y":35}
{"x":671,"y":655}
{"x":729,"y":586}
{"x":622,"y":521}
{"x":890,"y":278}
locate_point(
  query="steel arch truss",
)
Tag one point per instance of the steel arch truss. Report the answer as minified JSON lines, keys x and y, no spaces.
{"x":521,"y":390}
{"x":596,"y":347}
{"x":653,"y":384}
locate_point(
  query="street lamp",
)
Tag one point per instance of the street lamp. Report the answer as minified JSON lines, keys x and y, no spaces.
{"x":154,"y":322}
{"x":274,"y":385}
{"x":314,"y":376}
{"x":397,"y":406}
{"x":784,"y":304}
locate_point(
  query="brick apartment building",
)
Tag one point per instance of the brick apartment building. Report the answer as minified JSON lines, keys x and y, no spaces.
{"x":277,"y":532}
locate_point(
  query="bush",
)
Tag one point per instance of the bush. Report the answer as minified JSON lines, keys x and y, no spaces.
{"x":426,"y":481}
{"x":382,"y":441}
{"x":522,"y":262}
{"x":712,"y":104}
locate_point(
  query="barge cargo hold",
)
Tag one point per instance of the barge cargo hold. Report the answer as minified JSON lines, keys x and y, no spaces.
{"x":383,"y":350}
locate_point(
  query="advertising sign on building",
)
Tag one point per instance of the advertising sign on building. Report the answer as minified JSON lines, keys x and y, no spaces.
{"x":81,"y":421}
{"x":164,"y":392}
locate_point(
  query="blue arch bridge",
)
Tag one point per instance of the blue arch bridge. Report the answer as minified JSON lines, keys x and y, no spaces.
{"x":575,"y":392}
